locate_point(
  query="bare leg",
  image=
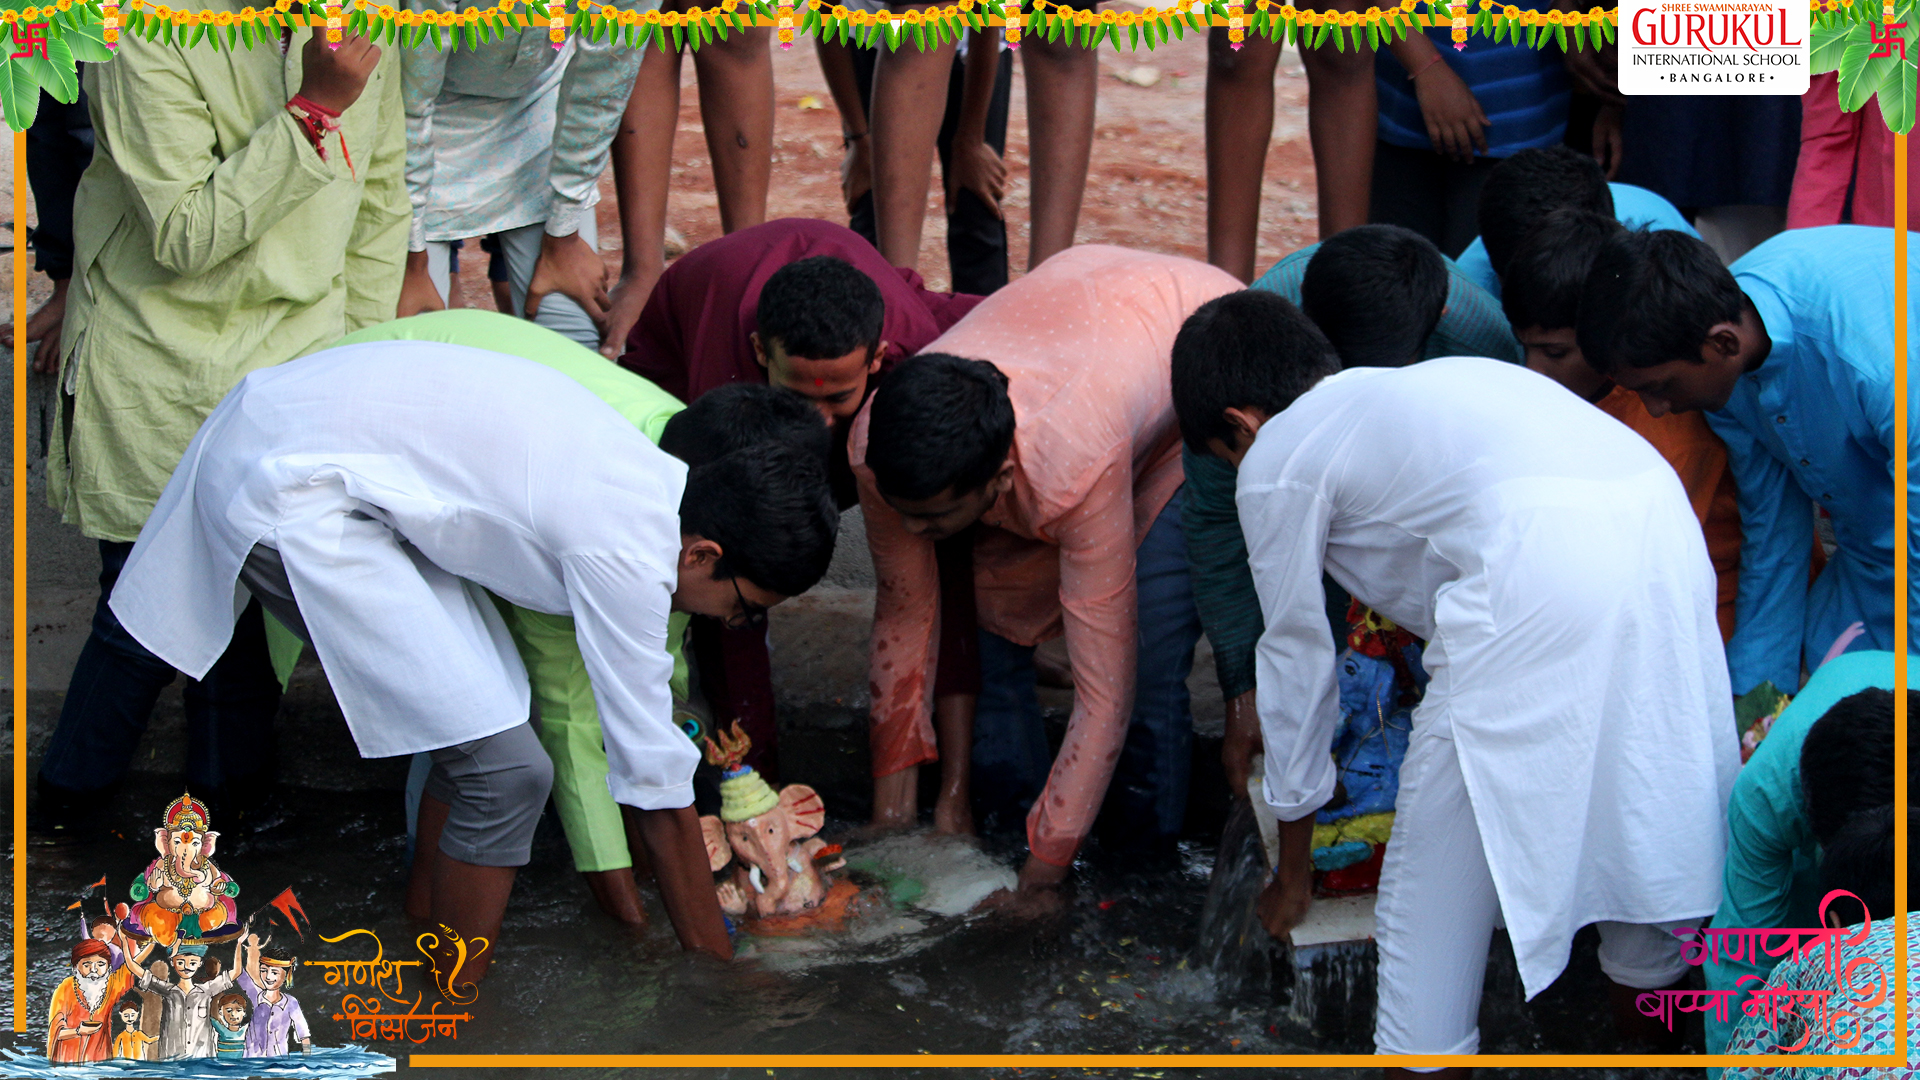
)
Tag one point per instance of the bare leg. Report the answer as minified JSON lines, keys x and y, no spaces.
{"x":736,"y":107}
{"x":953,"y":725}
{"x":1239,"y":130}
{"x":426,"y":854}
{"x":636,"y":843}
{"x":896,"y":799}
{"x":909,"y":100}
{"x":642,"y":171}
{"x":1062,"y":84}
{"x":1343,"y":117}
{"x":617,"y":893}
{"x":472,"y":900}
{"x":1634,"y":1027}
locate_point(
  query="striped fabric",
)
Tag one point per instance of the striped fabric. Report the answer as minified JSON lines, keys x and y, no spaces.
{"x":1523,"y":91}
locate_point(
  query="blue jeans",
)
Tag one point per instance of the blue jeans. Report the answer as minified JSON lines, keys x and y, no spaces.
{"x":1147,"y":800}
{"x":230,"y":713}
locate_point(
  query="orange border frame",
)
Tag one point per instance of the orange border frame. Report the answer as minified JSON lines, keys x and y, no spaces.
{"x":497,"y":1061}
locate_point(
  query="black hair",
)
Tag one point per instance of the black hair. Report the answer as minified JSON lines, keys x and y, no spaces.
{"x":939,"y":423}
{"x":129,"y":1000}
{"x":1248,"y":349}
{"x":1859,"y":859}
{"x":1548,"y":271}
{"x":740,"y":415}
{"x":1530,"y":185}
{"x":1651,"y":298}
{"x":770,"y":510}
{"x":1377,"y":292}
{"x":285,"y":957}
{"x":820,"y":308}
{"x":1846,"y":760}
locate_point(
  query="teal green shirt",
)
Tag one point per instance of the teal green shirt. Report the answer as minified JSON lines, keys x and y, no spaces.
{"x":1773,"y":863}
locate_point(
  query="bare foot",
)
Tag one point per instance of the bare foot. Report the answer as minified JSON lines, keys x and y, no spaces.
{"x":953,"y":813}
{"x":896,"y":800}
{"x":1025,"y":903}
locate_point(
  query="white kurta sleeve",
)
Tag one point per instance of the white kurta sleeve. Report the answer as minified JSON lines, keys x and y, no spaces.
{"x":1296,"y":685}
{"x":620,"y":611}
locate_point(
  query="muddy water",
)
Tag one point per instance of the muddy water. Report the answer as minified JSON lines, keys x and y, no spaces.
{"x":1123,"y":969}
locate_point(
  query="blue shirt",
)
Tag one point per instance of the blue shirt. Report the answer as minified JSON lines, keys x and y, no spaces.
{"x":1815,"y":423}
{"x":1773,"y":862}
{"x":1523,"y":91}
{"x":1632,"y":207}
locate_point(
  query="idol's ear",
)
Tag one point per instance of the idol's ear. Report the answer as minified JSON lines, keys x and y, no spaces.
{"x":162,"y":841}
{"x":719,"y":853}
{"x":206,"y":846}
{"x":804,"y":809}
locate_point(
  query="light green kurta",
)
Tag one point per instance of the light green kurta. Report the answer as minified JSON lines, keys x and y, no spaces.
{"x":210,"y":240}
{"x":569,"y":720}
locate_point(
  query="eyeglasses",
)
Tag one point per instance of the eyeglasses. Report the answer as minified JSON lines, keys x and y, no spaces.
{"x":751,"y":616}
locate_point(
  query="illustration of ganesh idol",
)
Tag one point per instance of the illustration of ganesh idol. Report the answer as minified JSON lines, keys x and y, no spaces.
{"x":183,"y":897}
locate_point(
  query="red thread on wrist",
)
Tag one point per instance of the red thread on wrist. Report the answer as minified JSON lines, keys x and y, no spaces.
{"x":317,"y":120}
{"x":1423,"y":67}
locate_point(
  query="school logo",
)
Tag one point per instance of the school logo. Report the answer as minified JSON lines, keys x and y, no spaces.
{"x":1714,"y":47}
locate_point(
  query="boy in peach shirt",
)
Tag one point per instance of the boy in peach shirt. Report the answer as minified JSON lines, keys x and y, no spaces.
{"x":1046,"y":415}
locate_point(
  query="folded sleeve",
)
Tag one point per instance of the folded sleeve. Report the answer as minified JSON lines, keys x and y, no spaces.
{"x":424,"y":73}
{"x":621,"y":608}
{"x":1286,"y":525}
{"x":593,"y":97}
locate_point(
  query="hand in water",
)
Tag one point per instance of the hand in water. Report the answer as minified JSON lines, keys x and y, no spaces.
{"x":1037,"y":895}
{"x":1284,"y":903}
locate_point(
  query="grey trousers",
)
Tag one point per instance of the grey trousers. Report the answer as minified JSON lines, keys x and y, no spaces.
{"x":521,"y":246}
{"x":494,"y":787}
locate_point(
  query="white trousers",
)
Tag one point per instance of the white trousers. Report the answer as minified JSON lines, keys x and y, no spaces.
{"x":1437,"y":911}
{"x":522,"y":249}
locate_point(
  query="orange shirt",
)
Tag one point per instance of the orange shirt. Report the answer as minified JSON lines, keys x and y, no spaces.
{"x":1700,"y":458}
{"x":1086,"y":343}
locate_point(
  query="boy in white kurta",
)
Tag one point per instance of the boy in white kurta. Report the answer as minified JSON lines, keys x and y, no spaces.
{"x":370,"y":494}
{"x":1571,"y":759}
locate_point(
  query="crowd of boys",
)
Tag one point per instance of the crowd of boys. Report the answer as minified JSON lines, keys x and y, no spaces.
{"x":1583,"y":464}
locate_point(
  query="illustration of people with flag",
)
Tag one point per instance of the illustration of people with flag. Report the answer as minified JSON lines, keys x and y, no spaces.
{"x":175,"y":979}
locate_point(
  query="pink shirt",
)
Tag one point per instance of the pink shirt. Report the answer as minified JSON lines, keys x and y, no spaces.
{"x":1086,"y":343}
